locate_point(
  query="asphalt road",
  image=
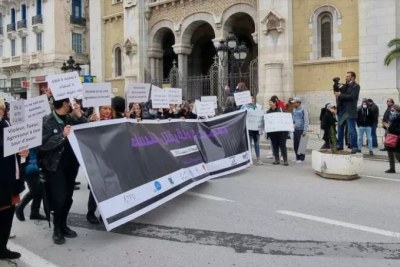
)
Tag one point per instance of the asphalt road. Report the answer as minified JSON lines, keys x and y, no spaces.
{"x":263,"y":216}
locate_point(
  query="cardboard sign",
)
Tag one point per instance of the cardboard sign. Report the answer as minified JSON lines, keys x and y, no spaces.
{"x":36,"y":108}
{"x":255,"y":119}
{"x":174,"y":95}
{"x":137,"y":92}
{"x":66,"y":85}
{"x":211,"y":98}
{"x":22,"y":136}
{"x":204,"y":109}
{"x":242,"y":98}
{"x":17,"y":112}
{"x":96,"y":94}
{"x":278,"y":122}
{"x":159,"y":97}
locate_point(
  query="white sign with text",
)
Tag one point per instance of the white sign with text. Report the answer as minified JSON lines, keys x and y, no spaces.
{"x":22,"y":136}
{"x":255,"y":119}
{"x":66,"y":85}
{"x":210,"y":98}
{"x":137,"y":92}
{"x":17,"y":112}
{"x":159,"y":97}
{"x":174,"y":95}
{"x":36,"y":108}
{"x":96,"y":94}
{"x":278,"y":122}
{"x":204,"y":109}
{"x":242,"y":98}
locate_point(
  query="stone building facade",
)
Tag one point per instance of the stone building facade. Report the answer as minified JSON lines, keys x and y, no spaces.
{"x":294,"y":47}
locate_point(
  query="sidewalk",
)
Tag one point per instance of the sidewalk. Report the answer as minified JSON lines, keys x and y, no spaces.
{"x":315,"y":143}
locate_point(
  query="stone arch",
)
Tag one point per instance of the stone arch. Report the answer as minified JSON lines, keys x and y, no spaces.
{"x":325,"y":8}
{"x":158,"y":31}
{"x":235,"y":9}
{"x":13,"y":4}
{"x":190,"y":23}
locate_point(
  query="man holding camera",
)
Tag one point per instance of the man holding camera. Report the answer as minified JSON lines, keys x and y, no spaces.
{"x":347,"y":98}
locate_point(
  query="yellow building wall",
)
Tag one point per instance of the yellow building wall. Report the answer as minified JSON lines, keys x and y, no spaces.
{"x":317,"y":75}
{"x":113,"y":35}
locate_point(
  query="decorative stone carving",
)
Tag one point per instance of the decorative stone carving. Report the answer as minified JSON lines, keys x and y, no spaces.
{"x":130,"y":3}
{"x":130,"y":47}
{"x":273,"y":22}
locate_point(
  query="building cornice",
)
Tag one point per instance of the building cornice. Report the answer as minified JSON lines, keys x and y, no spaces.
{"x":115,"y":16}
{"x":325,"y":61}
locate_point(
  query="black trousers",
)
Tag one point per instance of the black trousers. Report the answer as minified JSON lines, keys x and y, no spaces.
{"x":296,"y":142}
{"x":60,"y":189}
{"x":392,"y":155}
{"x":278,"y":141}
{"x":6,"y":219}
{"x":35,"y":193}
{"x":92,"y":206}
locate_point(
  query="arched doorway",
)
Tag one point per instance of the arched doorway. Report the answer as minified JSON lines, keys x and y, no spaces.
{"x":169,"y":56}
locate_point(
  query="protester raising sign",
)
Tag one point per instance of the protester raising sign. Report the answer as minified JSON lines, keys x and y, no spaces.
{"x":159,"y":97}
{"x":96,"y":94}
{"x":242,"y":98}
{"x":27,"y":110}
{"x":121,"y":170}
{"x":66,"y":85}
{"x":137,"y":92}
{"x":278,"y":122}
{"x":255,"y":119}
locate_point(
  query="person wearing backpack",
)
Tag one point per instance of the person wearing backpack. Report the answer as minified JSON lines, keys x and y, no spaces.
{"x":32,"y":178}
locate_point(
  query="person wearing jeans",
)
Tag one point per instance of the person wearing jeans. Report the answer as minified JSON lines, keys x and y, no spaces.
{"x":365,"y":120}
{"x":300,"y":121}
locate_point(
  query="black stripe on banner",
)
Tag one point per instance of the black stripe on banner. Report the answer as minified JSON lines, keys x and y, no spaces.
{"x":150,"y":201}
{"x":230,"y":168}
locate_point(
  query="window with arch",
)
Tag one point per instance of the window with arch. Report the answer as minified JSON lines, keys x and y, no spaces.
{"x":118,"y":61}
{"x":324,"y":22}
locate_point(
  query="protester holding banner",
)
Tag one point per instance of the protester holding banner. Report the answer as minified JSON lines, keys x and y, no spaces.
{"x":10,"y":187}
{"x":254,"y":134}
{"x":118,"y":107}
{"x":135,"y":111}
{"x":59,"y":164}
{"x":278,"y":139}
{"x":300,"y":121}
{"x":186,"y":112}
{"x":35,"y":193}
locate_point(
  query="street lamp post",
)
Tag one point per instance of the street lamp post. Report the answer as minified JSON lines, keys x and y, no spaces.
{"x":71,"y":65}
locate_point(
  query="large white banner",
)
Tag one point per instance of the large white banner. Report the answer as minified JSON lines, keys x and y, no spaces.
{"x":22,"y":136}
{"x":66,"y":85}
{"x":137,"y":92}
{"x":255,"y":119}
{"x":96,"y":94}
{"x":278,"y":122}
{"x":242,"y":98}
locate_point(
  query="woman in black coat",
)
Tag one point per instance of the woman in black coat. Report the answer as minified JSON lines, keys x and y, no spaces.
{"x":9,"y":189}
{"x":328,"y":124}
{"x":278,"y":139}
{"x":393,"y":128}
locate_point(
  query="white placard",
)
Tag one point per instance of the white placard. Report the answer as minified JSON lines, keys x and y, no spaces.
{"x":66,"y":85}
{"x":17,"y":112}
{"x":174,"y":95}
{"x":303,"y":145}
{"x":159,"y":97}
{"x":96,"y":94}
{"x":204,"y":109}
{"x":242,"y":98}
{"x":278,"y":122}
{"x":137,"y":92}
{"x":255,"y":119}
{"x":36,"y":108}
{"x":22,"y":136}
{"x":210,"y":98}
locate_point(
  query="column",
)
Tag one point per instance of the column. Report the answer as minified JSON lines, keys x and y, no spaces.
{"x":273,"y":82}
{"x":183,"y":50}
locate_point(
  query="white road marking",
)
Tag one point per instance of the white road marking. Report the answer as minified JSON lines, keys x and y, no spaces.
{"x":340,"y":223}
{"x":208,"y":196}
{"x":30,"y":258}
{"x":381,"y":178}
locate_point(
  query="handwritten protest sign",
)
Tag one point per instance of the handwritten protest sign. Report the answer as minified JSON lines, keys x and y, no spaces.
{"x":278,"y":122}
{"x":96,"y":94}
{"x":159,"y":97}
{"x":174,"y":95}
{"x":17,"y":112}
{"x":255,"y":119}
{"x":137,"y":92}
{"x":242,"y":98}
{"x":210,"y":98}
{"x":22,"y":136}
{"x":66,"y":85}
{"x":204,"y":109}
{"x":36,"y":108}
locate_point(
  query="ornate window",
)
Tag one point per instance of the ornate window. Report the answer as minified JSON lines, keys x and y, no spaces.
{"x":117,"y":61}
{"x":325,"y":38}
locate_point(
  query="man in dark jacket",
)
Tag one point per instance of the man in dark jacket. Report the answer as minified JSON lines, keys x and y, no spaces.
{"x":60,"y":164}
{"x":386,"y":116}
{"x":365,"y":120}
{"x":375,"y":114}
{"x":347,"y":110}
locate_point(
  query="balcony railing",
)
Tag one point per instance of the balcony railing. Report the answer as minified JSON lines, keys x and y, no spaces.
{"x":21,"y":24}
{"x":11,"y":27}
{"x":38,"y":19}
{"x":78,"y":21}
{"x":1,"y":30}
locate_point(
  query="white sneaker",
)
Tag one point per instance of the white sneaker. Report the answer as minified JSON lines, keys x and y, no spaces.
{"x":270,"y":157}
{"x":299,"y":161}
{"x":294,"y":160}
{"x":259,"y":162}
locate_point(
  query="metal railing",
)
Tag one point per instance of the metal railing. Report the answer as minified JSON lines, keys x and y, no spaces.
{"x":21,"y":24}
{"x":78,"y":20}
{"x":11,"y":27}
{"x":38,"y":19}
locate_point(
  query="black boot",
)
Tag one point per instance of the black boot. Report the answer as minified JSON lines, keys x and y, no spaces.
{"x":19,"y":212}
{"x":91,"y":217}
{"x":58,"y":237}
{"x":68,"y":232}
{"x":10,"y":255}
